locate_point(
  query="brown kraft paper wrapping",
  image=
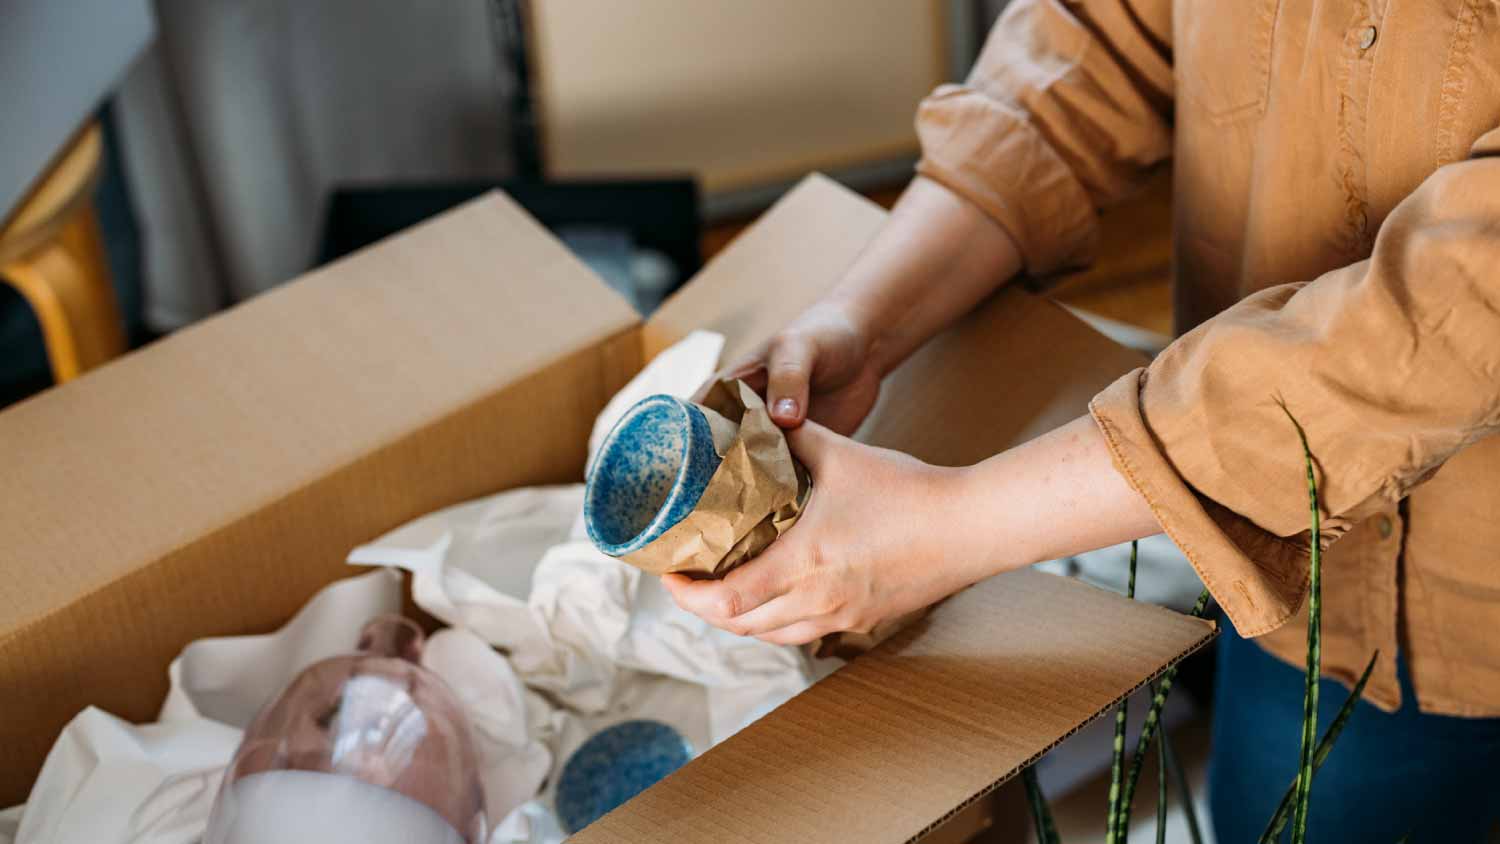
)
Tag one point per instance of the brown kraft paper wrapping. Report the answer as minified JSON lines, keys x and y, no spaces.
{"x":756,"y":495}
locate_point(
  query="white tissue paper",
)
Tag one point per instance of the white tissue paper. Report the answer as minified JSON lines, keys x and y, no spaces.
{"x":550,"y":642}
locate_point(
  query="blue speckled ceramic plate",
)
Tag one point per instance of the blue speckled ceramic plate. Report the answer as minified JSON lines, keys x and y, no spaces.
{"x":650,"y":472}
{"x":614,"y":765}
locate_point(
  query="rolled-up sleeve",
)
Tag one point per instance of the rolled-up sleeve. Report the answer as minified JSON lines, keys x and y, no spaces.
{"x":1391,"y":365}
{"x":1067,"y":108}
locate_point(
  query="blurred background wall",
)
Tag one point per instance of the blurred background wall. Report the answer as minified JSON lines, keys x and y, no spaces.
{"x":245,"y":141}
{"x":740,"y":94}
{"x":244,"y":113}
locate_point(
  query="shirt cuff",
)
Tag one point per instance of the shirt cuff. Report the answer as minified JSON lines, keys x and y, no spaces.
{"x":991,"y":155}
{"x":1259,"y":578}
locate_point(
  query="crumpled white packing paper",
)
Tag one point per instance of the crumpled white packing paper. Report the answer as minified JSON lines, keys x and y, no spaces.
{"x":551,"y":641}
{"x":106,"y":780}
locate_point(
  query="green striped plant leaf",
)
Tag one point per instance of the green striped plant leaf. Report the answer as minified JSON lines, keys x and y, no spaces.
{"x":1153,"y":719}
{"x":1179,"y":779}
{"x":1041,"y":813}
{"x":1314,"y":645}
{"x":1113,"y":832}
{"x":1161,"y":789}
{"x":1325,"y":746}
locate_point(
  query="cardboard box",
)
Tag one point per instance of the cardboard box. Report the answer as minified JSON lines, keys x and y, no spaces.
{"x":210,"y":483}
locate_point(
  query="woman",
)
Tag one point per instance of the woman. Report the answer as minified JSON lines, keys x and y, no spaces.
{"x":1337,"y":250}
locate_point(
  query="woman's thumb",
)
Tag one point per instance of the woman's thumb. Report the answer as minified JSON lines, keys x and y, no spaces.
{"x":812,"y":444}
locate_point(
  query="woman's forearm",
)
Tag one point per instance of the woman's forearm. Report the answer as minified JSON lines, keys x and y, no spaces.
{"x":1055,"y":496}
{"x":935,"y":259}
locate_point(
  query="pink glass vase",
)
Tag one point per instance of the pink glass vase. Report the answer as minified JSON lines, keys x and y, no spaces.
{"x":368,"y":747}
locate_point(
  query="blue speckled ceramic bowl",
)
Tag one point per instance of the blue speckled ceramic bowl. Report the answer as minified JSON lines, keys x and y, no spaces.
{"x":614,"y":765}
{"x":649,"y":473}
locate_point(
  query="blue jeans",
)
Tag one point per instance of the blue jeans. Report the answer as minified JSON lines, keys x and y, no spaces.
{"x":1433,"y":776}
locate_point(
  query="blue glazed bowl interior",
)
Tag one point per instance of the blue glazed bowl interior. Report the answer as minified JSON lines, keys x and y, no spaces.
{"x":650,"y":472}
{"x":616,"y":764}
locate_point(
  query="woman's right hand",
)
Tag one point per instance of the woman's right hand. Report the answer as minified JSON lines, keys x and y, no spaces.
{"x":819,"y":367}
{"x":827,"y":364}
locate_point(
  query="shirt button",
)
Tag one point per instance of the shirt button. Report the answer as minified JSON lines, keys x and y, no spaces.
{"x":1385,"y":526}
{"x":1367,"y":37}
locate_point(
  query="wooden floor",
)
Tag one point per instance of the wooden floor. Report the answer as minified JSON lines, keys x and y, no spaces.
{"x":1130,"y":281}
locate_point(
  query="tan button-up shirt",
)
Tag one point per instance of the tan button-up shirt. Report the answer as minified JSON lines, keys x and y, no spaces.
{"x":1337,"y":248}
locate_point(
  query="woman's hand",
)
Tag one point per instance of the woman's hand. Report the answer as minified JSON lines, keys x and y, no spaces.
{"x":885,"y":534}
{"x":871,"y":546}
{"x":819,"y":367}
{"x":934,"y":259}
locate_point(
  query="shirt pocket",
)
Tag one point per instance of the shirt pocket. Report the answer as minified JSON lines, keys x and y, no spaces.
{"x":1223,"y":57}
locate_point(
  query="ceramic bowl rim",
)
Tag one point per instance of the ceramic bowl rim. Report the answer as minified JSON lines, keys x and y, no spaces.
{"x":650,"y":532}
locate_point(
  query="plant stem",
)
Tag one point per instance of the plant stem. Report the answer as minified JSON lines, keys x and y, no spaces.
{"x":1314,"y":645}
{"x":1114,"y":833}
{"x":1161,"y":790}
{"x":1041,"y":815}
{"x":1179,"y":778}
{"x":1153,"y":718}
{"x":1284,"y":809}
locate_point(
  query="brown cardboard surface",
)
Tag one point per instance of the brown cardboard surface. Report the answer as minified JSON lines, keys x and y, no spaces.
{"x":934,"y":718}
{"x":1015,"y":368}
{"x":210,"y":483}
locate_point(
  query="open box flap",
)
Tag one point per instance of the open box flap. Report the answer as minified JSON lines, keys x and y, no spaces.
{"x":772,"y":271}
{"x":933,"y":719}
{"x":152,"y":501}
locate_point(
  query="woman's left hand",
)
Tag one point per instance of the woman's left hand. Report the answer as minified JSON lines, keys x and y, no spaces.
{"x":877,"y":540}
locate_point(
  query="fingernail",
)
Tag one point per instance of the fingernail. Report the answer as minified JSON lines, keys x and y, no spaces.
{"x":786,"y":408}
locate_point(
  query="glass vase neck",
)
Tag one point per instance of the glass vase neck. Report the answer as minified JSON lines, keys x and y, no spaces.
{"x":392,"y":636}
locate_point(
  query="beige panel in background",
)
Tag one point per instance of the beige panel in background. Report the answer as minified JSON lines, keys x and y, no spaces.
{"x":739,"y":93}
